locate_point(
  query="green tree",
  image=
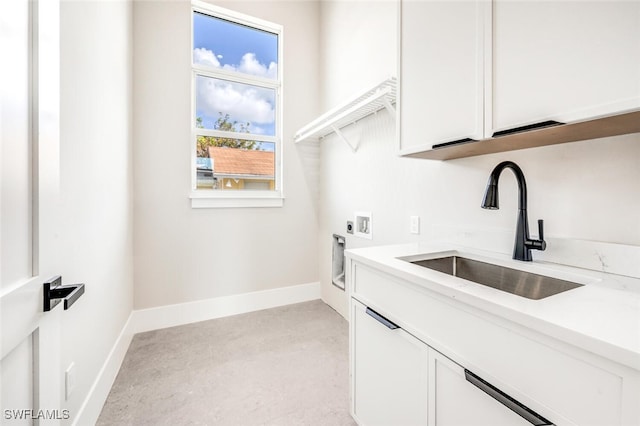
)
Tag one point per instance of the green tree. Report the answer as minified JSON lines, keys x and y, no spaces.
{"x":224,"y":123}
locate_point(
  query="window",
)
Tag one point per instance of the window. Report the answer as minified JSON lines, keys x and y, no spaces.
{"x":236,"y":120}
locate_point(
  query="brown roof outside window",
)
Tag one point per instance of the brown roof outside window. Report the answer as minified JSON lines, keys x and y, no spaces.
{"x":232,"y":161}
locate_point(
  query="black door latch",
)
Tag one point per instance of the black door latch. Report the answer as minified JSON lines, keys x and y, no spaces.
{"x":54,"y":292}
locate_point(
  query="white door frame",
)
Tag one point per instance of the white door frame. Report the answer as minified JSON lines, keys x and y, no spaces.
{"x":21,"y":307}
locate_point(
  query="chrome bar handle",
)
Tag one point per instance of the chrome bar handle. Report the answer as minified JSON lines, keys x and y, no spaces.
{"x":382,"y":320}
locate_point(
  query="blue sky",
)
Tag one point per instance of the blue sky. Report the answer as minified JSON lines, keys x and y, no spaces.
{"x":233,"y":40}
{"x":223,"y":44}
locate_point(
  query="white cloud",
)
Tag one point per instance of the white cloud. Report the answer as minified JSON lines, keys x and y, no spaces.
{"x":202,"y":56}
{"x":249,"y":64}
{"x":242,"y":102}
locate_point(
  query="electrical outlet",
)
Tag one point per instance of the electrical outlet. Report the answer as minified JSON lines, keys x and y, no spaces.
{"x":69,"y":381}
{"x":415,"y":225}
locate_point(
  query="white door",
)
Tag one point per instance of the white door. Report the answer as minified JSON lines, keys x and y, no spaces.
{"x":30,"y":383}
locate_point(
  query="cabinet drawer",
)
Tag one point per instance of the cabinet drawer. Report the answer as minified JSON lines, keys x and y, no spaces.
{"x":453,"y":391}
{"x":389,"y":368}
{"x":560,"y":386}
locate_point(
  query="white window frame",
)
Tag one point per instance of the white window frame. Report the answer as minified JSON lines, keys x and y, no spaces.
{"x":202,"y":198}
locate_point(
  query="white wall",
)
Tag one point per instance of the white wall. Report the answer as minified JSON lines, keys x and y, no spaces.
{"x":96,"y":183}
{"x":584,"y":190}
{"x":182,"y":254}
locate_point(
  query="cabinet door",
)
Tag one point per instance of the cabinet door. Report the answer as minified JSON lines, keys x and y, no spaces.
{"x":441,"y":72}
{"x":564,"y":60}
{"x":457,"y":402}
{"x":389,"y":372}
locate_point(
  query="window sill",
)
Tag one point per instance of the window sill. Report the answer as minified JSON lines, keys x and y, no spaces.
{"x":204,"y":199}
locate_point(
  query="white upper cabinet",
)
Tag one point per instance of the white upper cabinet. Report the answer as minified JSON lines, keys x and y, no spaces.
{"x":441,"y":92}
{"x":468,"y":69}
{"x":564,"y":60}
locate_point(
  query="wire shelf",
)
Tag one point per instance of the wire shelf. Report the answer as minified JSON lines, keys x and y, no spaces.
{"x":381,"y":96}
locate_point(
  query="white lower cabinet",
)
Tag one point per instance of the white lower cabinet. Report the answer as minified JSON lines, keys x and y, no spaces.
{"x":457,"y":402}
{"x":494,"y":372}
{"x":389,"y":372}
{"x":399,"y":380}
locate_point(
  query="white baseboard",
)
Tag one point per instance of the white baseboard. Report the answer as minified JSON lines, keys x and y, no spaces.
{"x":202,"y":310}
{"x":92,"y":406}
{"x":180,"y":314}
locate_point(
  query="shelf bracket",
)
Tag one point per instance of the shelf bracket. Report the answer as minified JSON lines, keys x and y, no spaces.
{"x":389,"y":107}
{"x":344,"y":139}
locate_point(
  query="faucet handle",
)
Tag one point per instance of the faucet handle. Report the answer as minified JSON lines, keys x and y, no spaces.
{"x":540,"y":243}
{"x":543,"y":243}
{"x":541,"y":229}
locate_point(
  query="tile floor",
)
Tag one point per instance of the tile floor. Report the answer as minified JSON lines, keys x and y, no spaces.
{"x":281,"y":366}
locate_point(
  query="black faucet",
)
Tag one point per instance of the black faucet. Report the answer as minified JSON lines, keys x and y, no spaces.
{"x":523,"y":244}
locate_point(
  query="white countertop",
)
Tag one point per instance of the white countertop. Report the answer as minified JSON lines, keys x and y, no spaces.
{"x":602,"y":317}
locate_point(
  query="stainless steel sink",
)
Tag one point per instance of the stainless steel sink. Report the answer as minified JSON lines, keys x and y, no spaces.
{"x":521,"y":283}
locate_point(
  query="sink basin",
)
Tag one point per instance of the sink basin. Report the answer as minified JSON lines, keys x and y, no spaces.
{"x":520,"y":283}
